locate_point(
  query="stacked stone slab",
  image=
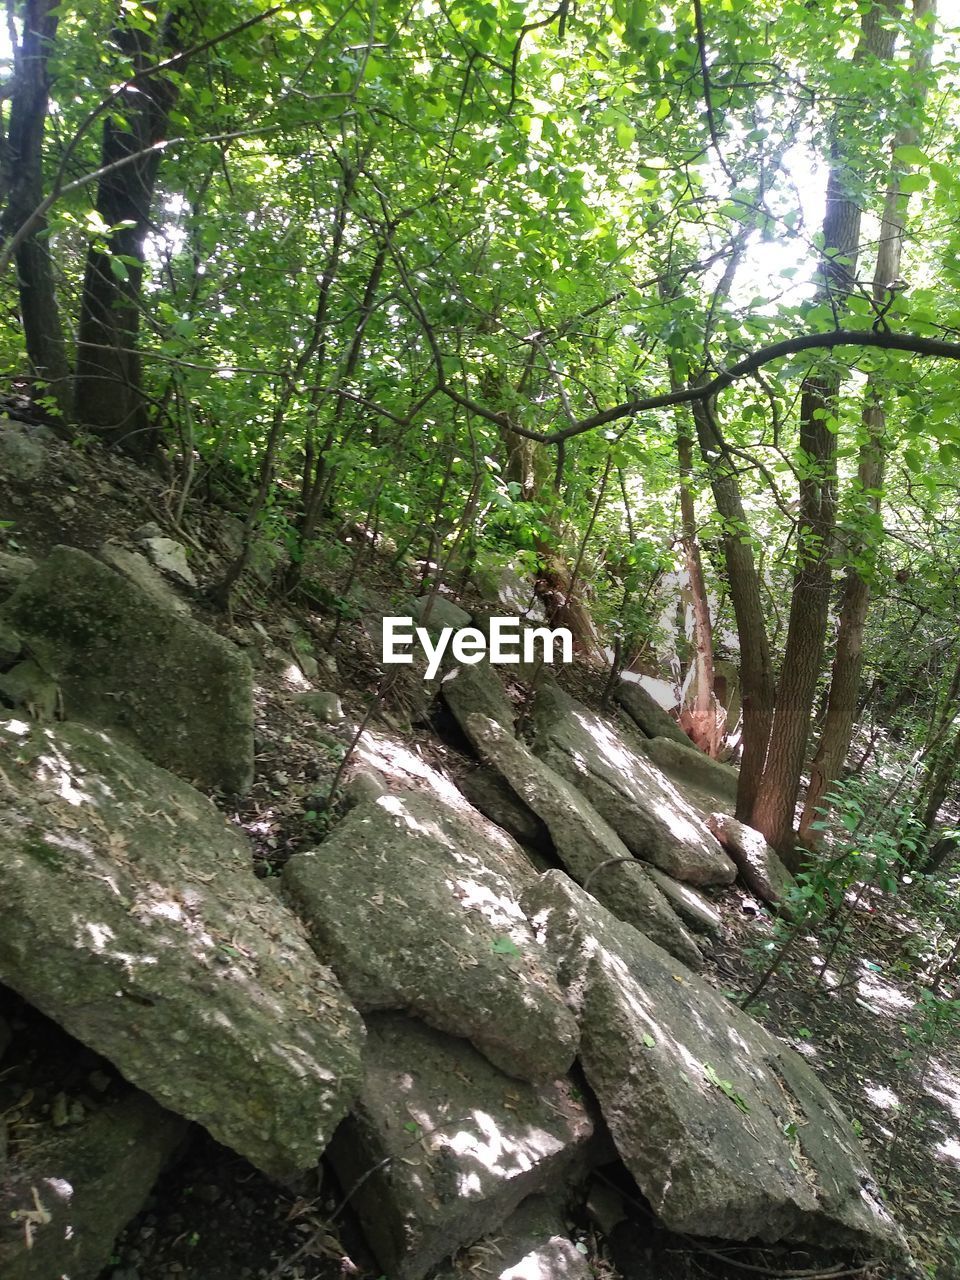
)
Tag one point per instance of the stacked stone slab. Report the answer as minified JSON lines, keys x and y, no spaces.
{"x":132,"y":917}
{"x":417,"y":907}
{"x":728,"y":1132}
{"x":636,"y":799}
{"x":454,"y":1145}
{"x":124,"y":662}
{"x":588,"y":848}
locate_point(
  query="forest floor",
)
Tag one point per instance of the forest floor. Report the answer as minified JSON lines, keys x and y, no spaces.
{"x":213,"y":1217}
{"x":860,"y":1025}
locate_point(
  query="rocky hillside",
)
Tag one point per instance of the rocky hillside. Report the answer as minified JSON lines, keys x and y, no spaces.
{"x":443,"y":1011}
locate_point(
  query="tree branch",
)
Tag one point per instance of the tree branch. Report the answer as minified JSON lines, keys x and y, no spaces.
{"x":907,"y":342}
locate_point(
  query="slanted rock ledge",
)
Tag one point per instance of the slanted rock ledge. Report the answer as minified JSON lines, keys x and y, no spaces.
{"x":162,"y":951}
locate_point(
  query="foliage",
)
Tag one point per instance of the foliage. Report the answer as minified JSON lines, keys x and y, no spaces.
{"x":383,"y":239}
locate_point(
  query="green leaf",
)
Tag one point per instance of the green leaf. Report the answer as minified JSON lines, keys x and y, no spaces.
{"x":505,"y":947}
{"x":725,"y":1087}
{"x":909,"y":154}
{"x":942,"y":174}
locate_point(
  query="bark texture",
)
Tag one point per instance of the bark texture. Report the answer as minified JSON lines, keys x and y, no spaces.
{"x":21,"y":173}
{"x":109,"y":392}
{"x":863,"y":546}
{"x":756,"y":669}
{"x":773,"y":811}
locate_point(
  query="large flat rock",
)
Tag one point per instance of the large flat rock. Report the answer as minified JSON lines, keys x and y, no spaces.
{"x":440,"y":612}
{"x":646,"y":712}
{"x":760,"y":867}
{"x":89,"y":1181}
{"x":647,"y":812}
{"x":511,"y":593}
{"x":127,"y":662}
{"x":454,"y":1144}
{"x":727,"y":1131}
{"x":477,"y":690}
{"x":533,"y":1244}
{"x":589,"y":849}
{"x":488,"y":791}
{"x":129,"y":914}
{"x":693,"y":908}
{"x":706,"y":783}
{"x":415,"y":905}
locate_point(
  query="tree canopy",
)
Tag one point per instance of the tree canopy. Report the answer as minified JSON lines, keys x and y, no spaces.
{"x":623,"y":294}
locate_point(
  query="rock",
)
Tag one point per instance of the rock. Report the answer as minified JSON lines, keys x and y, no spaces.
{"x":139,"y":570}
{"x":327,"y":707}
{"x":305,"y":659}
{"x":6,"y":1035}
{"x":149,"y":530}
{"x":760,"y":869}
{"x":22,"y":456}
{"x":365,"y":786}
{"x":464,"y":1144}
{"x":589,"y":849}
{"x":533,"y":1244}
{"x":491,"y":794}
{"x":727,"y":1132}
{"x":59,"y":1111}
{"x":469,"y":690}
{"x":10,"y":644}
{"x":308,"y":665}
{"x":28,"y":686}
{"x":415,"y":907}
{"x":443,"y":613}
{"x":125,"y":663}
{"x":515,"y":595}
{"x":170,"y":557}
{"x":78,"y":1188}
{"x":648,"y":814}
{"x":265,"y":556}
{"x":687,"y":766}
{"x":689,"y":903}
{"x":646,"y":712}
{"x":173,"y":961}
{"x":13,"y":570}
{"x":231,"y":534}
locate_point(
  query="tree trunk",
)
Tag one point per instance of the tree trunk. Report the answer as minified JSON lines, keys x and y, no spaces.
{"x":841,"y":712}
{"x":315,"y":464}
{"x":701,"y":716}
{"x":848,"y":659}
{"x":756,"y":670}
{"x":806,"y":631}
{"x":22,"y":178}
{"x":938,"y":784}
{"x":109,"y":391}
